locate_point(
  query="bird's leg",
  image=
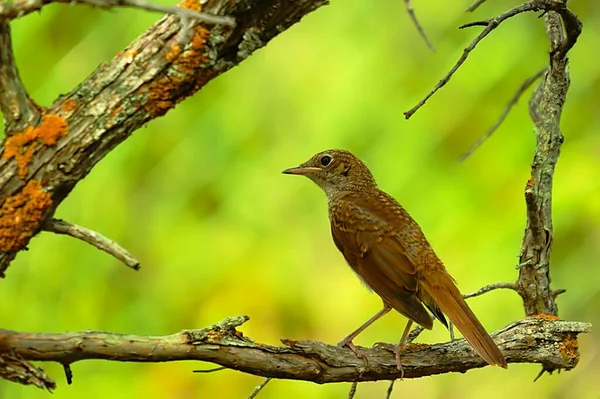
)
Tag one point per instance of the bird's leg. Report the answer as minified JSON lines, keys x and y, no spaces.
{"x":348,"y":340}
{"x":400,"y":347}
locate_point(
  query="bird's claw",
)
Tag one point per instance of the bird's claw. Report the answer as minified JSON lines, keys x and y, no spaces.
{"x":396,"y":350}
{"x":359,"y":353}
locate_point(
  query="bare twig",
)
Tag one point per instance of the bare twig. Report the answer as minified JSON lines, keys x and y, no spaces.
{"x":259,"y":388}
{"x":513,"y":101}
{"x":93,"y":238}
{"x":451,"y":330}
{"x":18,"y":109}
{"x":210,"y":370}
{"x":532,"y":340}
{"x":390,"y":390}
{"x":414,"y":334}
{"x":491,"y":287}
{"x":20,"y":8}
{"x":418,"y":329}
{"x":352,"y":391}
{"x":68,"y":373}
{"x":411,"y":13}
{"x":474,"y":6}
{"x":574,"y":27}
{"x":540,"y":374}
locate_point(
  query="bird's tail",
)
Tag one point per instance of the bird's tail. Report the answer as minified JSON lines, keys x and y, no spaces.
{"x":448,"y":298}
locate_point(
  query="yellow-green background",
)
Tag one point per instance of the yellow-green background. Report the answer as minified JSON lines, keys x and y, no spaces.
{"x":198,"y":196}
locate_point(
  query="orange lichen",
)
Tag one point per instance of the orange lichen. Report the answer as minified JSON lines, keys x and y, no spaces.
{"x":200,"y":37}
{"x":569,"y":348}
{"x":193,"y":5}
{"x":130,"y":55}
{"x":172,"y":55}
{"x":111,"y":117}
{"x":545,"y":316}
{"x":411,"y":348}
{"x":166,"y":91}
{"x":21,"y":215}
{"x":68,"y":105}
{"x":530,"y":182}
{"x":22,"y":145}
{"x":214,"y":336}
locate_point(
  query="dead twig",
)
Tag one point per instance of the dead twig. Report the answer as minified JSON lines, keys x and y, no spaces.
{"x":93,"y":238}
{"x":513,"y":101}
{"x":491,"y":287}
{"x":259,"y":388}
{"x":411,"y":13}
{"x":572,"y":27}
{"x":20,"y":8}
{"x":474,"y":6}
{"x":390,"y":390}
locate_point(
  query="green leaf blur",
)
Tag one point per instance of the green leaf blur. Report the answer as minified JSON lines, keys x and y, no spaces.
{"x":198,"y":195}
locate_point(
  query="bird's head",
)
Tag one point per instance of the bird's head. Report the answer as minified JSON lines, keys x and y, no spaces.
{"x":336,"y":171}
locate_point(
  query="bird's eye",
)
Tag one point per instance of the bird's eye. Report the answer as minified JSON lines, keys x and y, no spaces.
{"x":325,"y":160}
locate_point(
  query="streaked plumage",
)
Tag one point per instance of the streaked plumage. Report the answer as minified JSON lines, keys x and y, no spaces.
{"x":385,"y":246}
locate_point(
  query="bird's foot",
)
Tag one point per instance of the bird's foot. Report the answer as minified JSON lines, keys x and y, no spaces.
{"x":359,"y":353}
{"x":396,"y":350}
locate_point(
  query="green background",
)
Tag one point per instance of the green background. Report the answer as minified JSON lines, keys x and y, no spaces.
{"x":198,"y":196}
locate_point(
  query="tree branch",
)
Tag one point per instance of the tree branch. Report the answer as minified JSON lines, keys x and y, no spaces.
{"x":43,"y":163}
{"x":573,"y":27}
{"x":20,"y":8}
{"x":513,"y":101}
{"x":411,"y":13}
{"x":15,"y":104}
{"x":544,"y":340}
{"x":545,"y":109}
{"x":93,"y":238}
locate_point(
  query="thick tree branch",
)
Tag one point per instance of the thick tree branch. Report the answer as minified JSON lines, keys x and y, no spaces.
{"x":545,"y":109}
{"x":16,"y":106}
{"x":41,"y":164}
{"x":533,"y":340}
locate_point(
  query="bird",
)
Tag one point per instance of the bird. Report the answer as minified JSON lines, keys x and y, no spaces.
{"x":389,"y":252}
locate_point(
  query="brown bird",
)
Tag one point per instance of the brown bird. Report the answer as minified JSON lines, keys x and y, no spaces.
{"x":388,"y":251}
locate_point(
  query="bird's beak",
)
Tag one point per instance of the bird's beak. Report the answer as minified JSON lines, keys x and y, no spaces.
{"x":300,"y":170}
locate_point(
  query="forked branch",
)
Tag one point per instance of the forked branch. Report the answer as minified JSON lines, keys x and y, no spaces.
{"x":572,"y":26}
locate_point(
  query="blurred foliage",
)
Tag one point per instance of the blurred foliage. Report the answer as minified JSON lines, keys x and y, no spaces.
{"x":198,"y":196}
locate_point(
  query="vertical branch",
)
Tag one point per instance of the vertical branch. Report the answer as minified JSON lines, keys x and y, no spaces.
{"x":545,"y":109}
{"x":18,"y":109}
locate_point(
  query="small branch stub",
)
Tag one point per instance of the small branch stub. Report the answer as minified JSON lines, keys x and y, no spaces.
{"x":93,"y":238}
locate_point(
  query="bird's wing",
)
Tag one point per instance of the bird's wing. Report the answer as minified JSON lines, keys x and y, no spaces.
{"x":377,"y":256}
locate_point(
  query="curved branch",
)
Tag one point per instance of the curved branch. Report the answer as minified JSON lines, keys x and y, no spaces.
{"x":533,"y":340}
{"x":93,"y":238}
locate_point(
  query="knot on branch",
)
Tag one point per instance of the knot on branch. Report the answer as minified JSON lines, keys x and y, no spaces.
{"x":223,"y":332}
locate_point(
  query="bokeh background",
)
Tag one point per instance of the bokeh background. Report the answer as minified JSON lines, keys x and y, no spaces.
{"x":198,"y":196}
